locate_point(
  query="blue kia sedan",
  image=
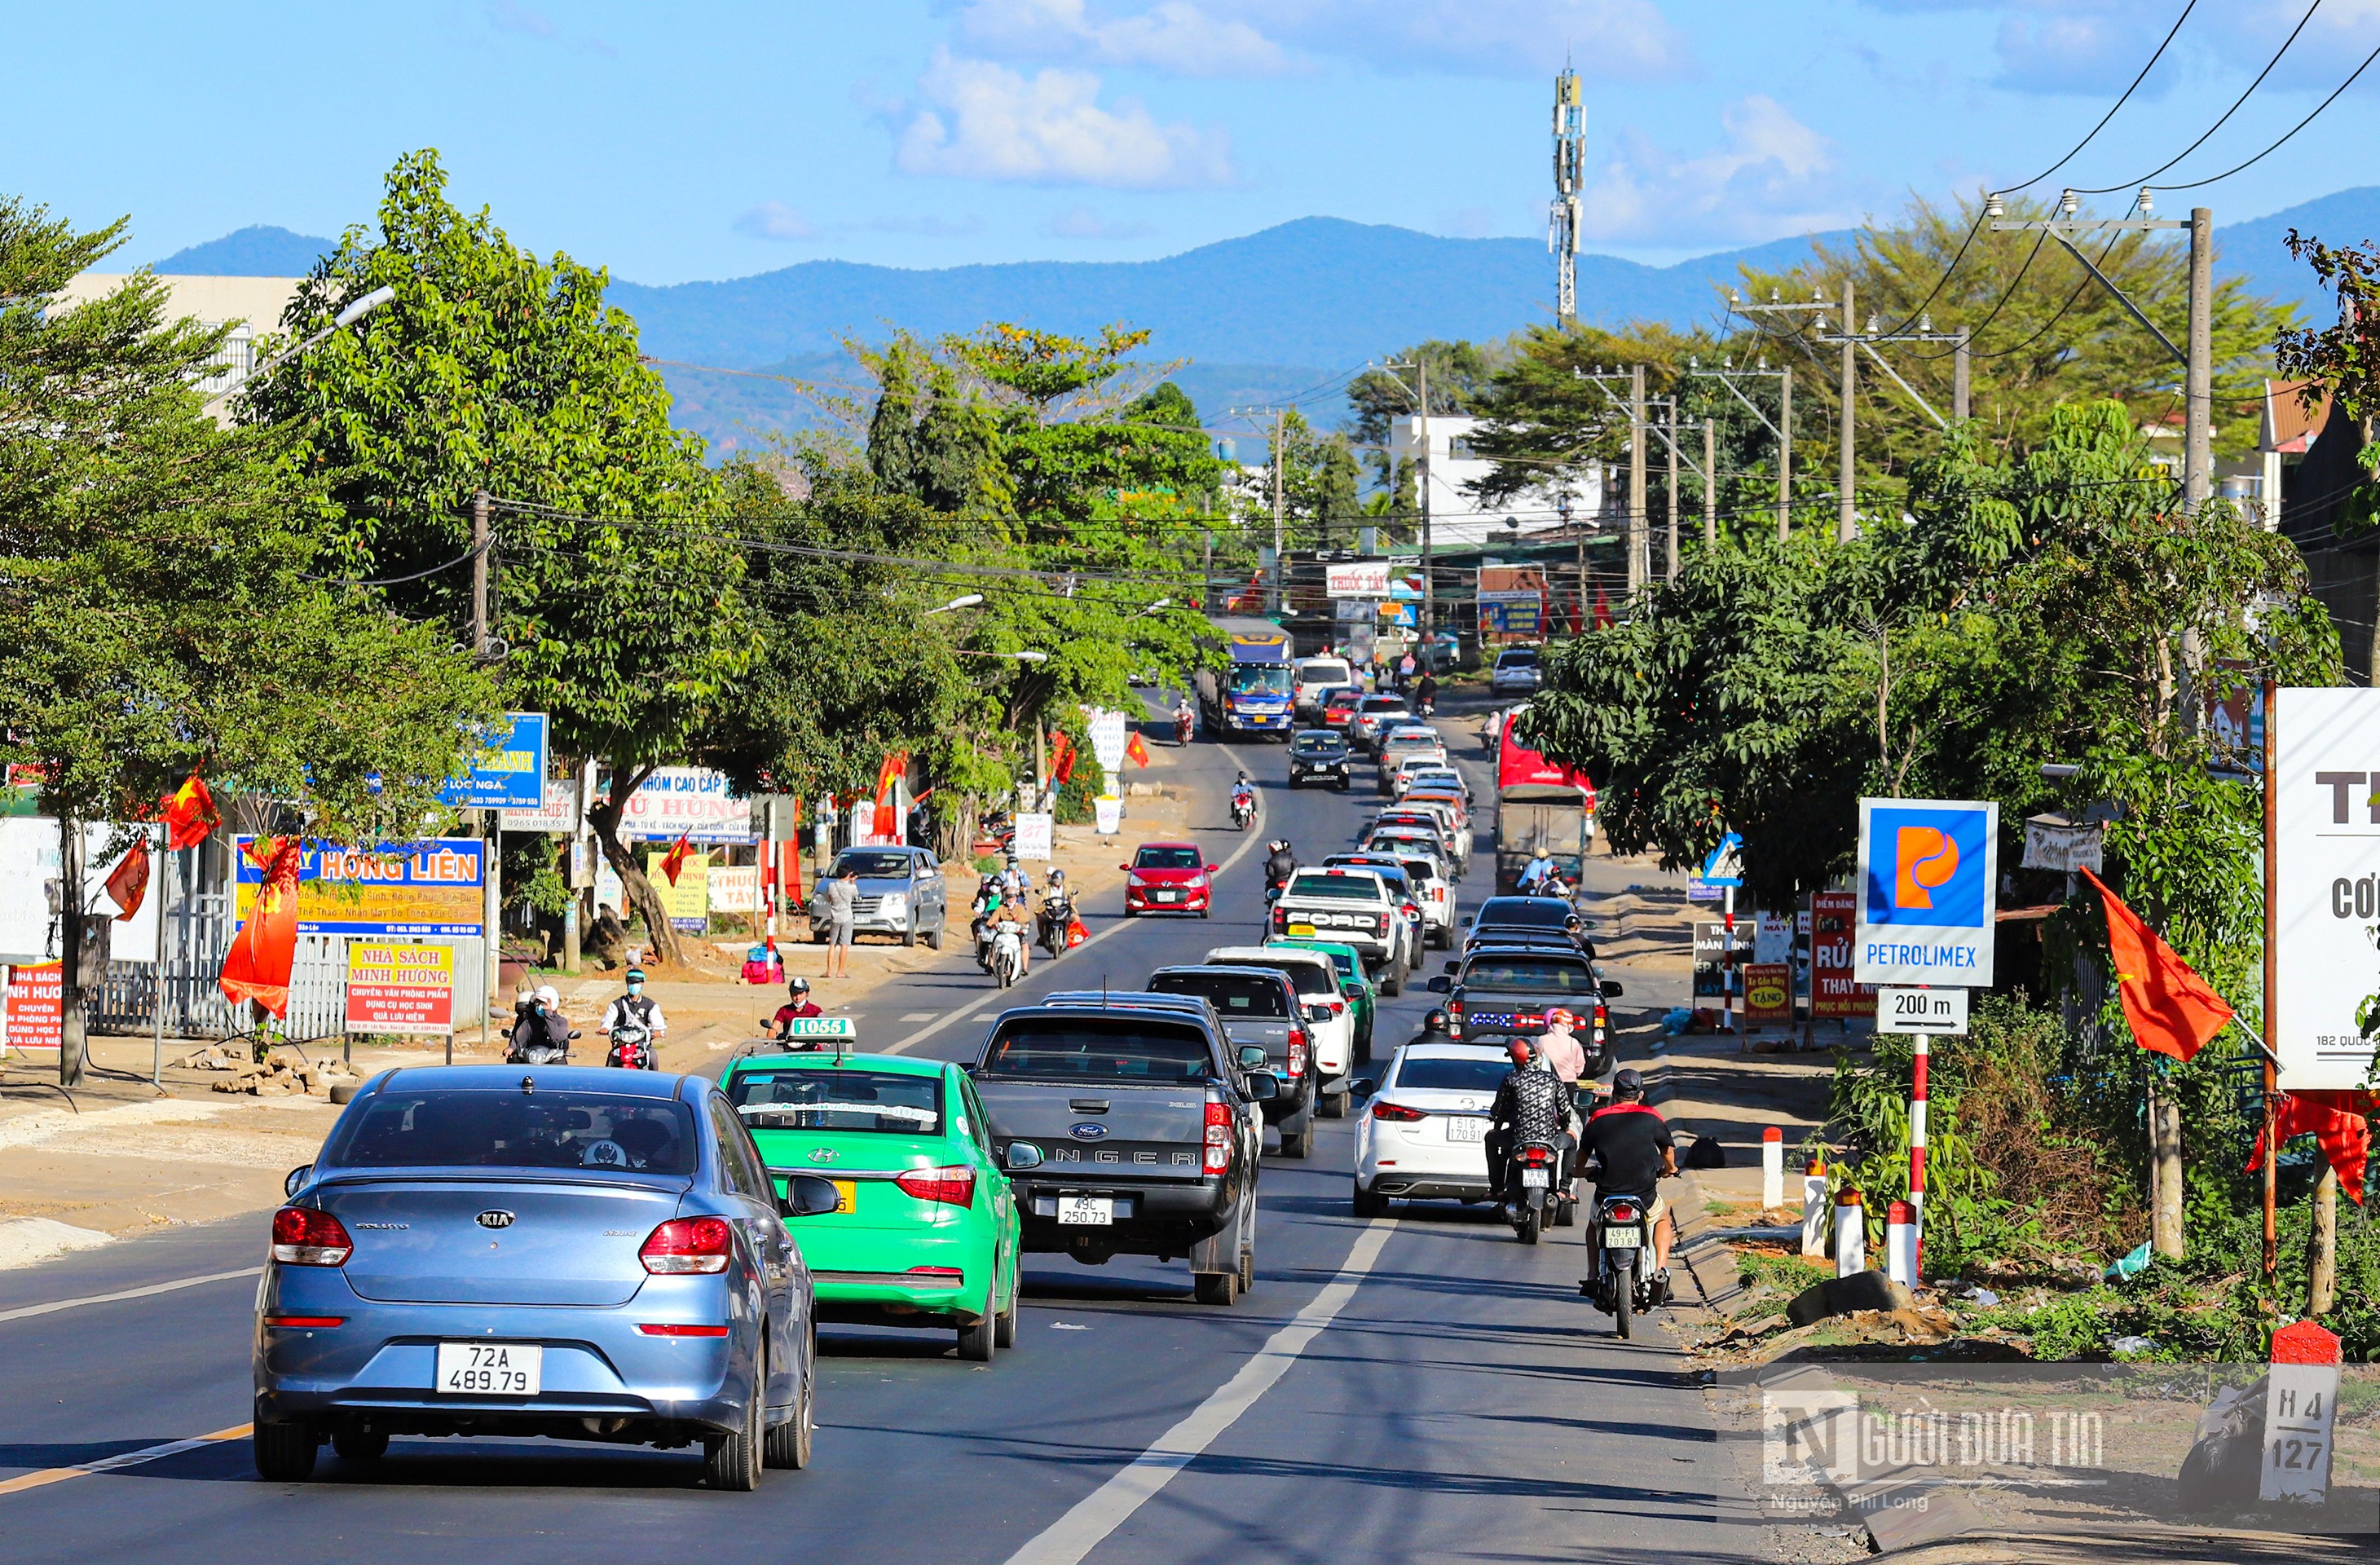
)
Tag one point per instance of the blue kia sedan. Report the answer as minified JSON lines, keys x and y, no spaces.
{"x":577,"y":1253}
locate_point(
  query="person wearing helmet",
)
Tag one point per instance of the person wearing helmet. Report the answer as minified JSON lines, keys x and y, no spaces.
{"x":1560,"y":1048}
{"x":1436,"y":1028}
{"x":1629,"y":1152}
{"x":798,"y":1005}
{"x":1281,"y":863}
{"x":1531,"y":1107}
{"x":636,"y":1006}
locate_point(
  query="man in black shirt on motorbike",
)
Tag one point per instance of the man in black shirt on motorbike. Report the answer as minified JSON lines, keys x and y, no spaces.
{"x":1281,"y":863}
{"x":1530,"y":1108}
{"x":1436,"y":1028}
{"x":1629,"y":1152}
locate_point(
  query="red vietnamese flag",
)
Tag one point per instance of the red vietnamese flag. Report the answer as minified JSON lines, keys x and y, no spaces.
{"x":2170,"y":1007}
{"x":673,"y":862}
{"x":1137,"y":749}
{"x":2342,"y":1129}
{"x":1062,"y":758}
{"x":189,"y":814}
{"x":888,"y":824}
{"x":127,"y":883}
{"x":257,"y":965}
{"x":1602,"y":611}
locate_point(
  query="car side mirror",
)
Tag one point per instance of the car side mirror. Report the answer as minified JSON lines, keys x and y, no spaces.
{"x":1263,"y":1087}
{"x":1023,"y":1155}
{"x":1350,"y":988}
{"x":1441,"y":985}
{"x":1252,"y":1056}
{"x":1453,"y":965}
{"x":1125,"y":867}
{"x":296,"y":1180}
{"x":1467,"y":918}
{"x":1612,"y":992}
{"x":1365,"y":1086}
{"x":809,"y":1195}
{"x":1320,"y":1013}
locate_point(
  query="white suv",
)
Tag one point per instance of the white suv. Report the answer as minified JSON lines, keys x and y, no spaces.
{"x":1330,"y":1020}
{"x":1516,"y":672}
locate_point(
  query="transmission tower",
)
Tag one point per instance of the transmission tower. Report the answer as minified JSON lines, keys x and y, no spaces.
{"x":1569,"y":175}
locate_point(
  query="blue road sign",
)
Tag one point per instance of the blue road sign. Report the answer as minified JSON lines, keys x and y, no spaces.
{"x":1725,"y":865}
{"x":1927,"y":870}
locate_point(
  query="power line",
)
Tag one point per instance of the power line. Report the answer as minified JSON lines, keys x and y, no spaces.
{"x":2292,"y":130}
{"x":2190,"y":6}
{"x":2219,"y":124}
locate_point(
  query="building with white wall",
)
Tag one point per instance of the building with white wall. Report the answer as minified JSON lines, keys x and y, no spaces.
{"x":252,"y":307}
{"x":1458,"y":518}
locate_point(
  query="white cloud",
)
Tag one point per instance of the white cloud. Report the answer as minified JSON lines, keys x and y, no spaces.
{"x":978,"y":120}
{"x":1082,"y":223}
{"x":775,"y":220}
{"x":1773,"y":177}
{"x":1173,"y":36}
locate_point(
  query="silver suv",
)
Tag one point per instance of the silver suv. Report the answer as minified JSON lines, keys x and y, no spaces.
{"x":900,"y":894}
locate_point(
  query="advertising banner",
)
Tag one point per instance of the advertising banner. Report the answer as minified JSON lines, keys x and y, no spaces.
{"x":735,"y":888}
{"x":2326,"y":883}
{"x":558,"y":813}
{"x":1109,"y":733}
{"x":1834,"y":993}
{"x":2054,"y":842}
{"x":429,"y":887}
{"x":1034,"y":834}
{"x":510,"y":773}
{"x":32,"y":1010}
{"x":1767,"y":993}
{"x":400,"y":987}
{"x":687,"y":801}
{"x":1928,"y":872}
{"x":1364,"y":578}
{"x":688,"y":901}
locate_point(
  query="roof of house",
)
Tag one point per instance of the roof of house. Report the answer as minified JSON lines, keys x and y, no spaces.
{"x":2289,"y":424}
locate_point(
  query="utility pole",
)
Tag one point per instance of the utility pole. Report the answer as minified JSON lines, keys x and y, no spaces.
{"x":1279,"y":486}
{"x":1710,"y":481}
{"x":1846,"y":519}
{"x":491,"y":903}
{"x":1569,"y":177}
{"x":1785,"y":453}
{"x":1958,"y":399}
{"x":1783,"y":428}
{"x":1637,"y":525}
{"x":480,"y":574}
{"x":1563,"y":503}
{"x":1672,"y":438}
{"x":1429,"y":561}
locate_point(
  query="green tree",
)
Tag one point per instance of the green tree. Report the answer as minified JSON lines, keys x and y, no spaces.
{"x":164,"y":615}
{"x":495,"y":370}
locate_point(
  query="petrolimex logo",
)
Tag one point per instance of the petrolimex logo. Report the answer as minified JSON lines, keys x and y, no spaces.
{"x":1927,"y":870}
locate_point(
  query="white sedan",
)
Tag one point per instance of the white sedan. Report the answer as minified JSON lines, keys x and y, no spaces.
{"x":1424,"y":1134}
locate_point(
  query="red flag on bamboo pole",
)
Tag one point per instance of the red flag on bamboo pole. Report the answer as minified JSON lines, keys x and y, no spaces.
{"x":1137,"y":749}
{"x":2171,"y":1009}
{"x":674,"y":861}
{"x":189,"y":814}
{"x":265,"y":950}
{"x":1062,"y":758}
{"x":127,"y":883}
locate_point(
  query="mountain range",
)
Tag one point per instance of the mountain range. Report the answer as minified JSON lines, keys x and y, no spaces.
{"x":1279,"y":316}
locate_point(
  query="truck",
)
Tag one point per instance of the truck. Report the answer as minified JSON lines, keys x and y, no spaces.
{"x":1257,"y":692}
{"x":1128,"y":1125}
{"x":1541,"y":807}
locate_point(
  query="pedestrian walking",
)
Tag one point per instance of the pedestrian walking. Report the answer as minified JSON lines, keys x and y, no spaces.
{"x":837,"y":901}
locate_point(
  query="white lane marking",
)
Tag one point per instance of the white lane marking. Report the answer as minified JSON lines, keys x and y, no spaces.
{"x":916,"y":1016}
{"x":922,"y":1034}
{"x":1082,"y":1529}
{"x":27,"y":1311}
{"x":49,"y":1476}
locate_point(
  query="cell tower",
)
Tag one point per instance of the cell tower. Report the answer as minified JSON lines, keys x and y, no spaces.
{"x":1569,"y":175}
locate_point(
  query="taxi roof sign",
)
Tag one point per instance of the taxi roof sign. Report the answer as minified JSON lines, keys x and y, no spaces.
{"x":819,"y":1026}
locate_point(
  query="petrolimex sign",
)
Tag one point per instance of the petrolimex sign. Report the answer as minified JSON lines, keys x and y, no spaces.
{"x":1926,"y":868}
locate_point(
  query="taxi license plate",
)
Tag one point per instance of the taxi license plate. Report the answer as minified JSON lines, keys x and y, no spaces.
{"x":1536,"y":1179}
{"x":1623,"y":1238}
{"x":1300,"y":931}
{"x":1466,"y":1129}
{"x":1086,"y":1211}
{"x":846,"y":1195}
{"x":490,"y":1369}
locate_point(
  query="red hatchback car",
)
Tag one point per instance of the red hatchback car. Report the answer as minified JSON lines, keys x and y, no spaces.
{"x":1340,"y":706}
{"x":1168,"y":878}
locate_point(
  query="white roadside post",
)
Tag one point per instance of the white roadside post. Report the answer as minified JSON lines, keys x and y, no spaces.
{"x":1851,"y":1232}
{"x":1772,"y":1168}
{"x":1900,"y":1243}
{"x":2301,"y":1400}
{"x":1814,"y":1207}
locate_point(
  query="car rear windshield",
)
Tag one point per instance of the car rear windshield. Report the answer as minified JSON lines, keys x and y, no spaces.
{"x":1098,"y":1048}
{"x":1547,"y":974}
{"x":870,"y":865}
{"x":1233,"y":994}
{"x":1319,"y":673}
{"x":1518,"y":657}
{"x":506,"y":1128}
{"x":1453,"y":1076}
{"x":1166,"y":858}
{"x":1316,"y":977}
{"x":1341,"y":888}
{"x":887,"y":1102}
{"x":1382,"y":704}
{"x":1317,"y":744}
{"x":1413,"y":739}
{"x":1339,"y":699}
{"x":1543,"y":913}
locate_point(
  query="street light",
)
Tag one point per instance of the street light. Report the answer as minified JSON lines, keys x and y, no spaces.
{"x":1014,"y":657}
{"x":1161,"y":603}
{"x":355,"y":310}
{"x":969,"y":602}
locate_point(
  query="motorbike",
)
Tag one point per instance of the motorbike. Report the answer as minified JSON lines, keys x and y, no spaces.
{"x":1623,"y":1284}
{"x":632,"y":1048}
{"x":1057,"y":915}
{"x":1427,"y":707}
{"x":535,"y":1049}
{"x":1535,"y":1185}
{"x":1007,"y":953}
{"x":1243,"y":810}
{"x":1181,"y":728}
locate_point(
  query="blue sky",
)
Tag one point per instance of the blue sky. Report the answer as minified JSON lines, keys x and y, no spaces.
{"x":693,"y":139}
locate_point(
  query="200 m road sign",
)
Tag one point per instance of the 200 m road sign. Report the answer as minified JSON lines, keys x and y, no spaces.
{"x":1936,"y":1013}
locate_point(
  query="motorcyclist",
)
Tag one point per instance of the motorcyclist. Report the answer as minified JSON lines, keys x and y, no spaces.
{"x":983,"y":910}
{"x":1281,"y":862}
{"x":1243,"y":797}
{"x":1425,"y":692}
{"x":799,"y":1004}
{"x":1436,"y":1028}
{"x":637,"y":1008}
{"x":1184,"y":720}
{"x":1057,"y":909}
{"x":1628,"y":1151}
{"x":1531,"y":1105}
{"x":1534,"y":878}
{"x":538,"y":1022}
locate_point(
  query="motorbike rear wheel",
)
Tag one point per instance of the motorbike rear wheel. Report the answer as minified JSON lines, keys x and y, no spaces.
{"x":1531,"y":1221}
{"x":1623,"y":1297}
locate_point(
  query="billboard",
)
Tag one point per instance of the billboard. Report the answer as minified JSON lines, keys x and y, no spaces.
{"x":557,"y":812}
{"x":429,"y":888}
{"x":2325,"y":869}
{"x":1928,"y":869}
{"x":1364,"y":578}
{"x":1834,"y":993}
{"x":687,"y":801}
{"x":510,"y":773}
{"x":402,"y":987}
{"x":688,"y":901}
{"x":32,"y":1008}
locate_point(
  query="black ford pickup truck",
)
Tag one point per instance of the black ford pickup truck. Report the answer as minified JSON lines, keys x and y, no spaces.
{"x":1502,"y":990}
{"x":1129,"y":1126}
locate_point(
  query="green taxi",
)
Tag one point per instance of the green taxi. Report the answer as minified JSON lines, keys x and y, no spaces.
{"x":927,"y":1233}
{"x":1355,"y":982}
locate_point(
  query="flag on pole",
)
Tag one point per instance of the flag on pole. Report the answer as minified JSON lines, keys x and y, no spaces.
{"x":265,"y":950}
{"x":189,"y":814}
{"x":674,"y":861}
{"x":1602,"y":611}
{"x":887,"y":823}
{"x":2170,"y":1007}
{"x":1137,"y":749}
{"x":1062,"y":758}
{"x":2344,"y":1134}
{"x":127,"y":883}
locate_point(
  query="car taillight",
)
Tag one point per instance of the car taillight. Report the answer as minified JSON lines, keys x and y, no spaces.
{"x":304,"y":1322}
{"x":1397,"y":1113}
{"x":689,"y":1244}
{"x":955,"y":1184}
{"x":1599,"y":1015}
{"x":305,"y":1236}
{"x":1536,"y":1156}
{"x":1218,"y":1136}
{"x":1296,"y":1055}
{"x":1455,"y":1010}
{"x":1337,"y":1007}
{"x":1621,"y":1214}
{"x":672,"y":1328}
{"x":1411,"y":911}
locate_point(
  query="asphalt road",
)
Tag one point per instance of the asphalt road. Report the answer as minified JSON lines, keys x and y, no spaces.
{"x":1422,"y":1388}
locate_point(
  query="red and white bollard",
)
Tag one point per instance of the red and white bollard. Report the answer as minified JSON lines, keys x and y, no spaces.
{"x":1900,"y":1243}
{"x":1916,"y":1161}
{"x":1851,"y":1232}
{"x":1772,"y":1168}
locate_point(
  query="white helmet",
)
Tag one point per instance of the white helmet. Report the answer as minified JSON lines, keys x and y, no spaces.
{"x":548,"y":995}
